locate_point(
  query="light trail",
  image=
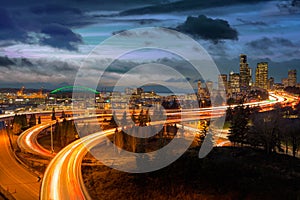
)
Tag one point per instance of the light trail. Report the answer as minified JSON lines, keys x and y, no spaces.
{"x":63,"y":179}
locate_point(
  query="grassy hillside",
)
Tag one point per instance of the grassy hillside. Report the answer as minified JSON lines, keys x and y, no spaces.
{"x":227,"y":173}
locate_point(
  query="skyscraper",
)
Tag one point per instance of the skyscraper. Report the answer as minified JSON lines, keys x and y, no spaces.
{"x":223,"y":84}
{"x":201,"y":91}
{"x":209,"y":86}
{"x":285,"y":82}
{"x":261,"y":75}
{"x":245,"y":72}
{"x":271,"y":83}
{"x":292,"y":78}
{"x":234,"y":83}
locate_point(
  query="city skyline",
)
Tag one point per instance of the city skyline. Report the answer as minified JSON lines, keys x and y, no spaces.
{"x":149,"y":99}
{"x":47,"y":52}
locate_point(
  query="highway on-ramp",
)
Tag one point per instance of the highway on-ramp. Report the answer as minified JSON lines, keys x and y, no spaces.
{"x":14,"y":177}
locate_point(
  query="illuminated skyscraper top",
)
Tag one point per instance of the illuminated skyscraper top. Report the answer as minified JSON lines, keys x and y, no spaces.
{"x":245,"y":72}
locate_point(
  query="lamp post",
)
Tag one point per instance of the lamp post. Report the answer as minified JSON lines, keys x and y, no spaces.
{"x":52,"y":149}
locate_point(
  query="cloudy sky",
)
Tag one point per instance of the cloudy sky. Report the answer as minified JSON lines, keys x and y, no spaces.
{"x":44,"y":43}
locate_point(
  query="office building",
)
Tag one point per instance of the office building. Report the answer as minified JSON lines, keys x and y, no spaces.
{"x":234,"y":85}
{"x":245,"y":72}
{"x":223,"y":83}
{"x":292,"y":78}
{"x":261,"y":75}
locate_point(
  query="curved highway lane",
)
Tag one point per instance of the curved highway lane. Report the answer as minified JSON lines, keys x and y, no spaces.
{"x":21,"y":183}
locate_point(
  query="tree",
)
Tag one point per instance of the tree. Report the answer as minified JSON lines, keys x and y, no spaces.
{"x":119,"y":140}
{"x":141,"y":118}
{"x":53,"y":114}
{"x":229,"y":114}
{"x":32,"y":120}
{"x":132,"y":141}
{"x":112,"y":121}
{"x":239,"y":125}
{"x":17,"y":128}
{"x":63,"y":114}
{"x":19,"y":124}
{"x":175,"y":104}
{"x":147,"y":117}
{"x":293,"y":135}
{"x":133,"y":118}
{"x":204,"y":127}
{"x":124,"y":120}
{"x":265,"y":131}
{"x":57,"y":134}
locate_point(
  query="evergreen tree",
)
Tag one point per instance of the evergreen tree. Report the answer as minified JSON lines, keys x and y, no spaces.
{"x":141,"y":118}
{"x":124,"y":120}
{"x":53,"y":114}
{"x":133,"y":118}
{"x":147,"y":117}
{"x":239,"y":125}
{"x":32,"y":120}
{"x":113,"y":122}
{"x":19,"y":123}
{"x":63,"y":114}
{"x":119,"y":140}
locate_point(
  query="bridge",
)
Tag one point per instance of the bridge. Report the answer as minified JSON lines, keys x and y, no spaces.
{"x":74,"y":89}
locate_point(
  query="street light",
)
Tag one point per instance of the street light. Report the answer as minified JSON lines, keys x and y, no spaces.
{"x":52,"y":149}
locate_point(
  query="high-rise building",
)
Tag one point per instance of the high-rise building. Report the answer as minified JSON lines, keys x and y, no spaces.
{"x":223,"y":83}
{"x":261,"y":75}
{"x":201,"y":90}
{"x":285,"y":82}
{"x":292,"y":78}
{"x":271,"y":83}
{"x":245,"y":72}
{"x":234,"y":85}
{"x":199,"y":87}
{"x":139,"y":91}
{"x":209,"y":86}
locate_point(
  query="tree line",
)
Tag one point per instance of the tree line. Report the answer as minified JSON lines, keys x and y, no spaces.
{"x":277,"y":130}
{"x":124,"y":139}
{"x":21,"y":123}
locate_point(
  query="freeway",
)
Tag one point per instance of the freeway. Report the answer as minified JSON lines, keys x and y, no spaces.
{"x":63,"y":178}
{"x":23,"y":184}
{"x":65,"y":167}
{"x":27,"y":141}
{"x":13,"y":176}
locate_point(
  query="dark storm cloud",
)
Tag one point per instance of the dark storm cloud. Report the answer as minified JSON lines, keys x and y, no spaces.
{"x":185,"y":5}
{"x":208,"y":28}
{"x":270,"y":42}
{"x":254,"y":23}
{"x":5,"y":61}
{"x":19,"y":20}
{"x":23,"y":19}
{"x":54,"y":9}
{"x":173,"y":80}
{"x":52,"y":13}
{"x":8,"y":29}
{"x":59,"y":36}
{"x":53,"y":21}
{"x":27,"y":70}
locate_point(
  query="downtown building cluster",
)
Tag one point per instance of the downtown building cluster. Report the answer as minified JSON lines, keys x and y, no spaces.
{"x":238,"y":84}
